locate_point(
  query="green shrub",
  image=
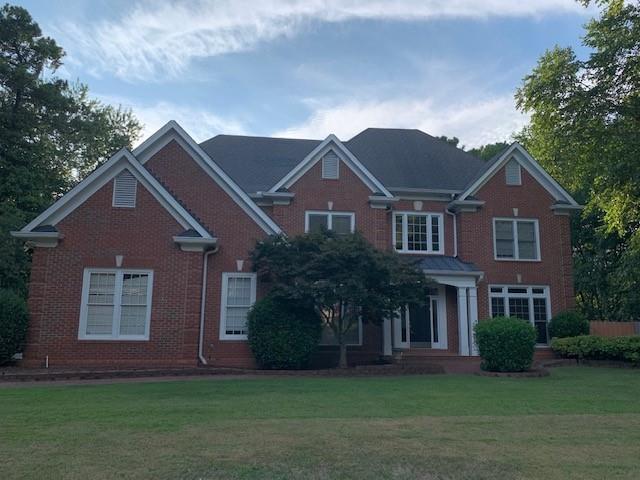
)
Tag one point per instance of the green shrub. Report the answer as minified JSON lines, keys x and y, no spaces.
{"x":282,"y":335}
{"x":505,"y":344}
{"x":590,"y":347}
{"x":568,"y":324}
{"x":13,"y":324}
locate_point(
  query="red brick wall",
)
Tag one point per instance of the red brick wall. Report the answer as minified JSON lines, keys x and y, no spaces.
{"x":237,"y":234}
{"x":475,"y":237}
{"x":93,"y":235}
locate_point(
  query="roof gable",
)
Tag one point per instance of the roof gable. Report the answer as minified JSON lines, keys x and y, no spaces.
{"x":173,"y":131}
{"x":332,"y":143}
{"x":101,"y":176}
{"x":518,"y":152}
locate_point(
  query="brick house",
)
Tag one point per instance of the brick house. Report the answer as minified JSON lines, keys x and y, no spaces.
{"x":145,"y":262}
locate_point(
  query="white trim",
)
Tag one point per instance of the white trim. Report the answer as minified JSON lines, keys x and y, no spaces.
{"x":405,"y":232}
{"x":332,"y":143}
{"x":516,"y":248}
{"x":463,"y":322}
{"x":223,"y":302}
{"x":523,"y":157}
{"x":173,"y":131}
{"x":100,"y":177}
{"x":529,"y":295}
{"x":330,"y":214}
{"x":39,"y":239}
{"x":117,"y":304}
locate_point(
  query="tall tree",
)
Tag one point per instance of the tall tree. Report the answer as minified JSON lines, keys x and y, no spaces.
{"x":585,"y":129}
{"x":343,"y":278}
{"x":51,"y":133}
{"x":488,"y":151}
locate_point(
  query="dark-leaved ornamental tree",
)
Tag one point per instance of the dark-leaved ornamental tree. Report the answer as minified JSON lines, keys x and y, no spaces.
{"x":343,"y":277}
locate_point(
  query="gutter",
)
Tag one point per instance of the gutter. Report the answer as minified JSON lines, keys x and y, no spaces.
{"x":203,"y":298}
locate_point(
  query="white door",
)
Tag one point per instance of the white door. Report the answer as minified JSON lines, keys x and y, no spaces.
{"x":401,"y":331}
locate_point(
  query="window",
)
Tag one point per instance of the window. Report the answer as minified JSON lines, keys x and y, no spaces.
{"x":528,"y":303}
{"x":352,"y":337}
{"x":238,"y":295}
{"x":516,"y":239}
{"x":116,"y":305}
{"x":418,"y":232}
{"x":513,"y":172}
{"x":330,"y":166}
{"x":341,"y":223}
{"x":124,"y":190}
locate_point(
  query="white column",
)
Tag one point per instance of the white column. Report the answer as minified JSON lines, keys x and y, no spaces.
{"x":473,"y":317}
{"x":386,"y":338}
{"x":463,"y":322}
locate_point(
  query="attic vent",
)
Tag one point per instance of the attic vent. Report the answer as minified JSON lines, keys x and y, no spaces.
{"x":330,"y":166}
{"x":512,"y":172}
{"x":124,"y":190}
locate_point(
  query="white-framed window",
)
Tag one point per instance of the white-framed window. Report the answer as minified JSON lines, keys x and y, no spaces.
{"x":415,"y":232}
{"x":530,"y":303}
{"x":330,"y":166}
{"x":341,"y":223}
{"x":124,"y":190}
{"x":516,"y":239}
{"x":238,"y":296}
{"x":116,"y":304}
{"x":353,"y":337}
{"x":513,"y":172}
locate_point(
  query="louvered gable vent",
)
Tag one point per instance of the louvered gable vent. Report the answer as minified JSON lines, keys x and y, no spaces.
{"x":513,"y":173}
{"x":124,"y":190}
{"x":330,"y":164}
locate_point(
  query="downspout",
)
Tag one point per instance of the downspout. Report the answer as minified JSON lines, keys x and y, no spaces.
{"x":203,"y":298}
{"x":455,"y":231}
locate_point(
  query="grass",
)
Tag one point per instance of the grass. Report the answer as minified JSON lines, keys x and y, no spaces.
{"x":577,"y":423}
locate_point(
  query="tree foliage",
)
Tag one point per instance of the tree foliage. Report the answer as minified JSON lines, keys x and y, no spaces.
{"x":585,"y":130}
{"x":343,"y":277}
{"x":488,"y":151}
{"x":51,"y":133}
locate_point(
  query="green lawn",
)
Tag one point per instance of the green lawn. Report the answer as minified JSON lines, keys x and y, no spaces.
{"x":577,"y":423}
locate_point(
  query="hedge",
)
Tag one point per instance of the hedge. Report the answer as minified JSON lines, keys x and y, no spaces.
{"x":591,"y":347}
{"x":282,"y":335}
{"x":568,"y":324}
{"x":13,"y":324}
{"x":505,"y":344}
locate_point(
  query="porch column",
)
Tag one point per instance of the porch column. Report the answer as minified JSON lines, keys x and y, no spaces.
{"x":463,"y":322}
{"x":473,"y":317}
{"x":386,"y":338}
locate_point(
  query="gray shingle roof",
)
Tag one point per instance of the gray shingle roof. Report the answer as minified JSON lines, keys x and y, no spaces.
{"x":448,"y":264}
{"x":397,"y":157}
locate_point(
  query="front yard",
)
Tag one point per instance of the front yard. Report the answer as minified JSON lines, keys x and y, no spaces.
{"x":577,"y":423}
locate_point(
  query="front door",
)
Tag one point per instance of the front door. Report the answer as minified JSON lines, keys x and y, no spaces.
{"x":428,"y":323}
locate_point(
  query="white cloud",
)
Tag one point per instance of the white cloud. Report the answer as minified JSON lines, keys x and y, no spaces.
{"x":157,"y":39}
{"x":474,"y":122}
{"x":200,"y":124}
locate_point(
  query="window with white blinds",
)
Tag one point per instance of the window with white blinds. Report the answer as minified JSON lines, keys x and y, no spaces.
{"x":124,"y":190}
{"x":116,"y":304}
{"x":515,"y":239}
{"x":238,"y":296}
{"x":330,"y":166}
{"x":513,"y":172}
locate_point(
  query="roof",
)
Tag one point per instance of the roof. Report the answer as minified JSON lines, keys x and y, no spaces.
{"x":257,"y":163}
{"x":446,"y":264}
{"x":399,"y":158}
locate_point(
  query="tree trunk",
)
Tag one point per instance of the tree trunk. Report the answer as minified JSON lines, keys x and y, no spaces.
{"x":342,"y":363}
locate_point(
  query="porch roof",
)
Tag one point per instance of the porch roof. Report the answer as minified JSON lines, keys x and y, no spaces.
{"x":441,"y":263}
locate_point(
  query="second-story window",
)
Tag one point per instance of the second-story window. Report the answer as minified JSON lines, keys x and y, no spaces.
{"x":418,"y":232}
{"x":516,"y":239}
{"x":341,"y":223}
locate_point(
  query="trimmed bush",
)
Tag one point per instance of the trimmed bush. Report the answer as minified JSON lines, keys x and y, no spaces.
{"x":568,"y":324}
{"x":505,"y":344}
{"x":283,"y":335}
{"x":13,"y":324}
{"x":591,"y":347}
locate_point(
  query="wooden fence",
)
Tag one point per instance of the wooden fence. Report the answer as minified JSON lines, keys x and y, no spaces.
{"x":614,"y":329}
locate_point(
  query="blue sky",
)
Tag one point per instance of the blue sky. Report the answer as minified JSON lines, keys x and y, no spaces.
{"x":309,"y":68}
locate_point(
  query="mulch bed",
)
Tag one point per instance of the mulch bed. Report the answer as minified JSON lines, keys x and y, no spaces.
{"x":533,"y":373}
